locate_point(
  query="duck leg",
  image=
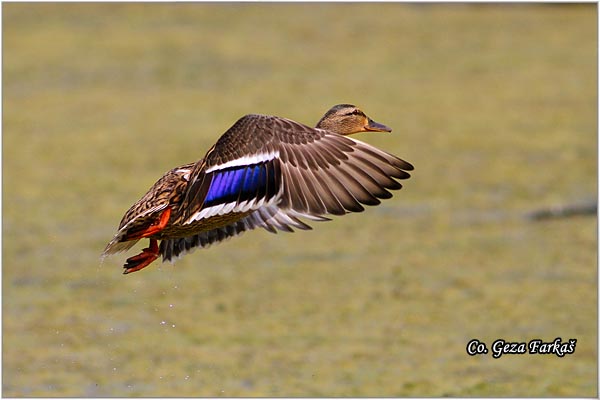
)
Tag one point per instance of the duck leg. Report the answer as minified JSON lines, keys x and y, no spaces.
{"x":143,"y":259}
{"x":149,"y":254}
{"x":152,"y":229}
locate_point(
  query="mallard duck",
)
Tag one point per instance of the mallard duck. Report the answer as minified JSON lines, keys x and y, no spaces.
{"x":267,"y":172}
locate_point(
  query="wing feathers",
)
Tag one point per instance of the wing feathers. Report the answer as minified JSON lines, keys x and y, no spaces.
{"x":301,"y":168}
{"x":238,"y":189}
{"x":283,"y":172}
{"x":338,"y":177}
{"x":271,"y":219}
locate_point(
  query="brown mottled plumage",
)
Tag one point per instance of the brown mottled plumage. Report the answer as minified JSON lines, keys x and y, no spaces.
{"x":266,"y":172}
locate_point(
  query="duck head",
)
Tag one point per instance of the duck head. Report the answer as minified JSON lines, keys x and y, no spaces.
{"x":346,"y":119}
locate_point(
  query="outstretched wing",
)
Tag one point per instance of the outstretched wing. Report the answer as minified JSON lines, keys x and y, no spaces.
{"x":264,"y":161}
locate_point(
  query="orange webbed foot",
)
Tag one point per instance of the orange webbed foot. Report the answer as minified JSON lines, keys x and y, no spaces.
{"x":142,"y":260}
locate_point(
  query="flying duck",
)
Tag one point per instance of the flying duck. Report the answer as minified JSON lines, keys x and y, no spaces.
{"x":267,"y":172}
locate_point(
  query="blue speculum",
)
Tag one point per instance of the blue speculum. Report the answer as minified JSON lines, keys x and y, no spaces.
{"x":240,"y":183}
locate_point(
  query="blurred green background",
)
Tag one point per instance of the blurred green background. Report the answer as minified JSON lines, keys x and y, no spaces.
{"x":494,"y":104}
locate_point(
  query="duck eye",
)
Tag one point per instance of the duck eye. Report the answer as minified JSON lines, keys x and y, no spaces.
{"x":355,"y":112}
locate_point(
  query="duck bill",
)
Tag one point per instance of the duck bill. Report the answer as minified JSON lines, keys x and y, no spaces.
{"x":373,"y":126}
